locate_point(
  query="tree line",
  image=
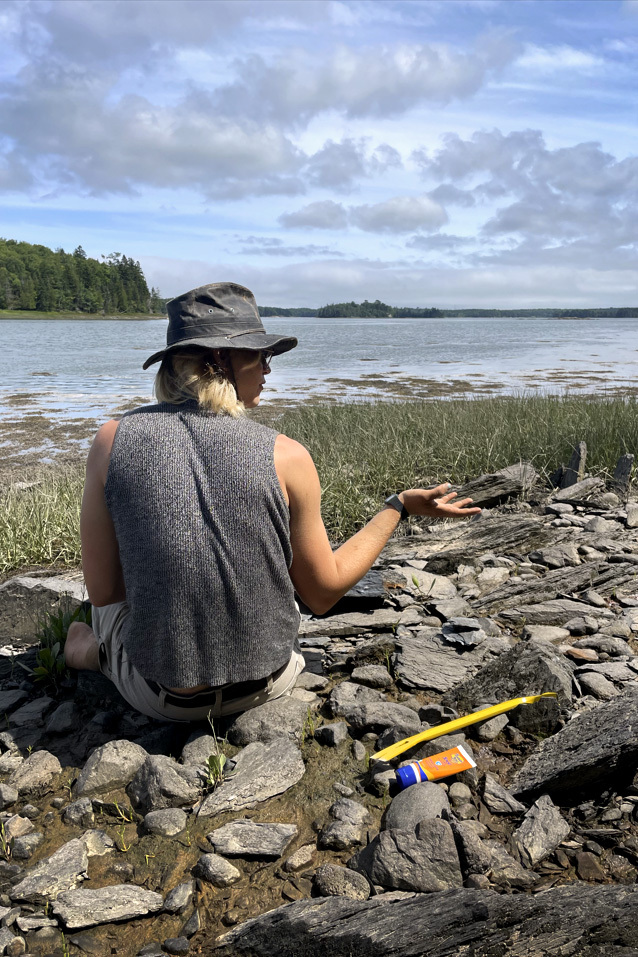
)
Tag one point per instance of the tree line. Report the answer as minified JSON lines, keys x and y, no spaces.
{"x":36,"y":278}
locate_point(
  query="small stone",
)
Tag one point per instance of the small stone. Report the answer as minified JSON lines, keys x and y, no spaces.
{"x":459,"y":793}
{"x":582,"y":626}
{"x":216,"y":870}
{"x":111,"y":766}
{"x":498,"y":799}
{"x":192,"y":925}
{"x":311,"y":682}
{"x":542,"y":830}
{"x":198,"y":749}
{"x":330,"y":880}
{"x":63,"y":719}
{"x":53,"y":875}
{"x":8,"y":796}
{"x":596,"y":684}
{"x":166,"y":823}
{"x":16,"y":825}
{"x":488,"y":730}
{"x":374,"y":676}
{"x":180,"y":898}
{"x":417,"y":803}
{"x":358,"y":751}
{"x":30,"y":811}
{"x":24,"y":847}
{"x":588,"y":868}
{"x":79,"y":813}
{"x":36,"y":772}
{"x":161,"y":782}
{"x":246,"y":838}
{"x":16,"y":947}
{"x":333,"y":734}
{"x":97,"y":843}
{"x":302,"y":857}
{"x":176,"y":945}
{"x":81,"y":908}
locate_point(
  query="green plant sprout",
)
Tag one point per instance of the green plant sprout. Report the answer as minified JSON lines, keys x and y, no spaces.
{"x":6,"y":846}
{"x":215,"y":761}
{"x":147,"y":857}
{"x":123,"y":813}
{"x":123,"y":845}
{"x":65,"y":946}
{"x":309,"y":726}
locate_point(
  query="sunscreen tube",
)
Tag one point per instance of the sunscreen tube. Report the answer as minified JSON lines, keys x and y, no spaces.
{"x":435,"y":767}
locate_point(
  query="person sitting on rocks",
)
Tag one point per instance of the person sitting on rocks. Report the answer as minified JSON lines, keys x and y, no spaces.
{"x":199,"y":524}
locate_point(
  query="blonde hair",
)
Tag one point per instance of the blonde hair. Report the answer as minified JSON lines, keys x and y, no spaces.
{"x":194,"y":374}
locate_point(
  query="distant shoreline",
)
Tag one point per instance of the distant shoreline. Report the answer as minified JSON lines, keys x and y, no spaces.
{"x":447,"y":314}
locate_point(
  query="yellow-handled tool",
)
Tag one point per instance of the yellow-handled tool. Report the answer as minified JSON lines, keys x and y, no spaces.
{"x":388,"y":753}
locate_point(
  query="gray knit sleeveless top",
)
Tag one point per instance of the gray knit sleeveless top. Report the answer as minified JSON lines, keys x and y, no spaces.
{"x":203,"y":532}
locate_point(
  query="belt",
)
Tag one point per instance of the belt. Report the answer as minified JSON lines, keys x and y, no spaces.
{"x":201,"y":699}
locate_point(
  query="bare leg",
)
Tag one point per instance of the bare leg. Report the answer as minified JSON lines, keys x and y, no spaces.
{"x":81,"y":649}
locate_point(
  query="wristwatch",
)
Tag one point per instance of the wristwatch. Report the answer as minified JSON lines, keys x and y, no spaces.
{"x":393,"y":501}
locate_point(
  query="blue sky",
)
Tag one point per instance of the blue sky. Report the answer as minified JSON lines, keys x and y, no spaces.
{"x":430,"y":152}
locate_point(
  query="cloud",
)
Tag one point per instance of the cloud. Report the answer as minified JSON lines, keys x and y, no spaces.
{"x":439,"y":242}
{"x":118,"y":147}
{"x":339,"y":165}
{"x":402,"y":214}
{"x":270,"y":246}
{"x":576,"y":193}
{"x":324,"y":214}
{"x":360,"y":82}
{"x":558,"y":58}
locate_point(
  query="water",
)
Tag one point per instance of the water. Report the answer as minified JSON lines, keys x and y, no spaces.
{"x":70,"y":369}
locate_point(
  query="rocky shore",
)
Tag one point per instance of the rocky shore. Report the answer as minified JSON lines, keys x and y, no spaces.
{"x":117,"y":835}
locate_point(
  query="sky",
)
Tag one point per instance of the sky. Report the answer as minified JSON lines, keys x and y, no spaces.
{"x":450,"y":153}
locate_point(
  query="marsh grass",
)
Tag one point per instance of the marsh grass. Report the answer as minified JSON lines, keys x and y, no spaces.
{"x":363,"y":452}
{"x":40,"y":526}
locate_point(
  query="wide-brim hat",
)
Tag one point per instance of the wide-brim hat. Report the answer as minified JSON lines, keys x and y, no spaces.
{"x":222,"y":315}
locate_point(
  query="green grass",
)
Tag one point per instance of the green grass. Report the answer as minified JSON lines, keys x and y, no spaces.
{"x":37,"y":314}
{"x":40,"y":526}
{"x":363,"y":453}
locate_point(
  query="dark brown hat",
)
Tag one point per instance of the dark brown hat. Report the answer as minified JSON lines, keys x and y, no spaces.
{"x":222,"y":315}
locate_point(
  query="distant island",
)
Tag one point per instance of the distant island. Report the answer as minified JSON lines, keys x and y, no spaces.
{"x":36,"y":281}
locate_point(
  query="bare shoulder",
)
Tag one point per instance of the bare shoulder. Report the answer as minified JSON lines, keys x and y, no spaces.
{"x":289,"y":452}
{"x":100,"y":453}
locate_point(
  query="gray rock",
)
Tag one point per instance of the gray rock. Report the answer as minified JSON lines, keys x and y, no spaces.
{"x":283,"y":716}
{"x":542,"y":830}
{"x":504,"y":870}
{"x":6,"y":937}
{"x":261,"y":771}
{"x":374,"y":676}
{"x":311,"y":682}
{"x":333,"y":734}
{"x":332,"y":880}
{"x":613,"y":670}
{"x":352,"y":623}
{"x":48,"y":879}
{"x":579,"y":491}
{"x":459,"y":794}
{"x":64,"y":719}
{"x":245,"y":838}
{"x":429,"y":661}
{"x":216,"y":870}
{"x":498,"y":799}
{"x":555,"y":611}
{"x":161,"y":783}
{"x":302,"y":857}
{"x":36,"y":773}
{"x":632,"y":515}
{"x":532,"y":669}
{"x":10,"y":762}
{"x":367,"y":709}
{"x":25,"y":846}
{"x":590,"y":748}
{"x":97,"y":843}
{"x":176,"y":945}
{"x":358,"y":751}
{"x":429,"y":586}
{"x":111,"y":766}
{"x":180,"y":898}
{"x":574,"y":918}
{"x":488,"y":730}
{"x":583,"y":625}
{"x":192,"y":925}
{"x":79,"y":813}
{"x":418,"y":803}
{"x":8,"y":796}
{"x":608,"y":644}
{"x":24,"y":600}
{"x":86,"y":908}
{"x":9,"y":700}
{"x":32,"y":713}
{"x":166,"y":823}
{"x":395,"y":860}
{"x":339,"y":835}
{"x":597,"y":685}
{"x":198,"y":749}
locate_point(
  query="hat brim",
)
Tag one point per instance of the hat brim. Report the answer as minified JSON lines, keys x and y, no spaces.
{"x":255,"y":342}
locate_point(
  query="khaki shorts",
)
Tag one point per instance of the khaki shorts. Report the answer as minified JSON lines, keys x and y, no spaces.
{"x":154,"y":700}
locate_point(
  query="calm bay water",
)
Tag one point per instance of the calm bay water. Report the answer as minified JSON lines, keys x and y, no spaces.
{"x":90,"y":368}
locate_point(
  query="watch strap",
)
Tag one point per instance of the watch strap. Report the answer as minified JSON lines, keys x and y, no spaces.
{"x":393,"y":501}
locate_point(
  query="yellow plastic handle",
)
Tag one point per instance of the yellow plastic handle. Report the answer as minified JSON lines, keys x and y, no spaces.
{"x":388,"y":753}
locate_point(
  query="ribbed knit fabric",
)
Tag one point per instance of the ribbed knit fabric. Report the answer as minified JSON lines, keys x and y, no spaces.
{"x":204,"y":539}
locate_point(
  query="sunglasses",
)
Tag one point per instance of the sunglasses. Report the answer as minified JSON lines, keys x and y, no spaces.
{"x":265,"y":357}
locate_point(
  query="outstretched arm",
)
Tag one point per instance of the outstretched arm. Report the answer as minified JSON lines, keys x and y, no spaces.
{"x":320,"y":575}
